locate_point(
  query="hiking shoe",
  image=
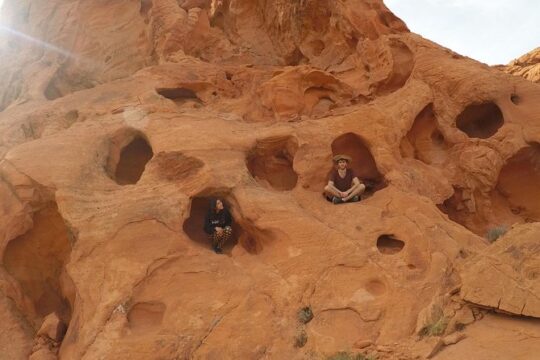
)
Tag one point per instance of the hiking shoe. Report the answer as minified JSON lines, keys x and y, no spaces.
{"x":218,"y":250}
{"x":336,"y":200}
{"x":355,"y":198}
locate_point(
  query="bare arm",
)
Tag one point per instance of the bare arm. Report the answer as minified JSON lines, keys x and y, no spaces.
{"x":355,"y":183}
{"x":332,"y":187}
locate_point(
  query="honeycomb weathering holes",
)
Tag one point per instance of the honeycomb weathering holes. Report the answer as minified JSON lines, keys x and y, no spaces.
{"x":480,"y":120}
{"x":129,"y":153}
{"x":271,"y":162}
{"x":424,"y":141}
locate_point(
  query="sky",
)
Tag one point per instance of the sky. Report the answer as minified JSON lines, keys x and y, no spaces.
{"x":491,"y":31}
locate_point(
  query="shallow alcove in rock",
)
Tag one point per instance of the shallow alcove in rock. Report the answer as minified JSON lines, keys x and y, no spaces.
{"x":194,"y":225}
{"x":387,"y":244}
{"x":129,"y":152}
{"x":244,"y":233}
{"x":519,"y":183}
{"x":516,"y":99}
{"x":480,"y":120}
{"x":271,"y":162}
{"x":145,"y":316}
{"x":318,"y":101}
{"x":181,"y":96}
{"x":424,"y":141}
{"x":36,"y":260}
{"x":362,"y":162}
{"x":175,"y":166}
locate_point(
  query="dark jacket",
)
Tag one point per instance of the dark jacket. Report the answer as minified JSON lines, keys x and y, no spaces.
{"x":215,"y":219}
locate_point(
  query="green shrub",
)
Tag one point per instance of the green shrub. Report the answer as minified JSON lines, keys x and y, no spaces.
{"x":436,"y":328}
{"x":496,"y":232}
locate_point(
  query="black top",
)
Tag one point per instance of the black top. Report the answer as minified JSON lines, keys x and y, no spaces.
{"x":215,"y":219}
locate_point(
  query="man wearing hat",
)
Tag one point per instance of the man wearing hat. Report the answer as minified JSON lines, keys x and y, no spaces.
{"x":343,"y":185}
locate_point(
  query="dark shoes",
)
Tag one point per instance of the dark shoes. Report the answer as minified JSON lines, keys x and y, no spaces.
{"x":218,"y":250}
{"x":336,"y":200}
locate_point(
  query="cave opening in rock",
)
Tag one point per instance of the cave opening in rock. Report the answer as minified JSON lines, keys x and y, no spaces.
{"x":270,"y":162}
{"x":37,"y":261}
{"x":181,"y":96}
{"x":244,"y":233}
{"x":519,"y":183}
{"x":424,"y":141}
{"x":387,"y":244}
{"x":146,"y":316}
{"x":129,"y":154}
{"x":480,"y":120}
{"x":362,"y":162}
{"x":194,"y":224}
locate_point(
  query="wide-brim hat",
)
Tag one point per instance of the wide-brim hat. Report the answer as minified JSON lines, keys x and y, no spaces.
{"x":341,"y":157}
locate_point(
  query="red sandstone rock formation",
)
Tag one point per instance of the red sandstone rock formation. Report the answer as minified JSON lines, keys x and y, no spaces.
{"x":121,"y":118}
{"x":527,"y":66}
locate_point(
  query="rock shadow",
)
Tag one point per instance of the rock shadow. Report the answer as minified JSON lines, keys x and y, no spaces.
{"x":270,"y":162}
{"x":519,"y":183}
{"x":424,"y":141}
{"x":387,"y":244}
{"x":129,"y":152}
{"x":37,"y":261}
{"x":362,"y":162}
{"x":181,"y":96}
{"x":480,"y":120}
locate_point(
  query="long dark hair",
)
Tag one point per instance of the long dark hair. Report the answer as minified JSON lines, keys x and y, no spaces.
{"x":213,"y":204}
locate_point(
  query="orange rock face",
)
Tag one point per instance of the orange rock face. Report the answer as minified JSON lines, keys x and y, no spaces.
{"x":527,"y":66}
{"x":121,"y":119}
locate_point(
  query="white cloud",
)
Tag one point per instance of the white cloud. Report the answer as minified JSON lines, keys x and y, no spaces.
{"x":494,"y":31}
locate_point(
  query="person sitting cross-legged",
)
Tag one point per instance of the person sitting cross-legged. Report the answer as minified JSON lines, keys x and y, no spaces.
{"x":343,"y":185}
{"x":217,"y":224}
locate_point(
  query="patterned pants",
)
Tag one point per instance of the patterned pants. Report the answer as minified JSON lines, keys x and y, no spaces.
{"x":218,"y":240}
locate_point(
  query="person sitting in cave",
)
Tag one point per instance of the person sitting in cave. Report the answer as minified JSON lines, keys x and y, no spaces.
{"x":217,"y":224}
{"x":343,"y":185}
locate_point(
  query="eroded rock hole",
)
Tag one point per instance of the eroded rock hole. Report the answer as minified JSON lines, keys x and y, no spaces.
{"x":480,"y":120}
{"x":515,"y":98}
{"x":389,"y":245}
{"x":362,"y":162}
{"x":519,"y":183}
{"x":424,"y":141}
{"x":146,"y":316}
{"x":461,"y":208}
{"x":181,"y":96}
{"x":403,"y":64}
{"x":194,"y":224}
{"x":37,"y":261}
{"x":318,"y":101}
{"x":129,"y":154}
{"x":243,"y":232}
{"x":270,"y":162}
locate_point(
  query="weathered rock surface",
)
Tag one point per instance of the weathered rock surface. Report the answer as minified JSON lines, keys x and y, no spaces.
{"x":120,"y":119}
{"x":527,"y":66}
{"x":505,"y":275}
